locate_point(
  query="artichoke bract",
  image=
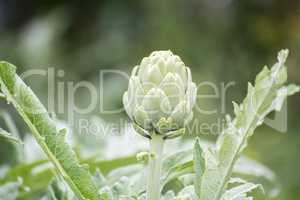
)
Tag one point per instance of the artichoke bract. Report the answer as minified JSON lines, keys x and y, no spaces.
{"x":160,"y":94}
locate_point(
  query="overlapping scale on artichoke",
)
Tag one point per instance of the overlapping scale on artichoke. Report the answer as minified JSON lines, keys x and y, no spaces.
{"x":161,"y":94}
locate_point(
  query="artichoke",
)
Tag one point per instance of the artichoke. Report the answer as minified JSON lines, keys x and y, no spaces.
{"x":160,"y":94}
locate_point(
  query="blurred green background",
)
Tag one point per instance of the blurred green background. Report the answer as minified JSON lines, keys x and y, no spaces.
{"x":221,"y":40}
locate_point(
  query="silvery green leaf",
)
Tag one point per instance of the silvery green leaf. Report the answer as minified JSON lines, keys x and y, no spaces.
{"x":252,"y":170}
{"x":242,"y":191}
{"x":261,"y":99}
{"x":244,"y":167}
{"x":177,"y":171}
{"x":44,"y":129}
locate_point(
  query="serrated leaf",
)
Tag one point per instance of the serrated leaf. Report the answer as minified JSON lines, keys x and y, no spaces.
{"x":45,"y":132}
{"x":261,"y":99}
{"x":244,"y":167}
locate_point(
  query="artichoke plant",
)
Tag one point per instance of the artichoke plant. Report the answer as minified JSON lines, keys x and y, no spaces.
{"x":160,"y":94}
{"x":159,"y":101}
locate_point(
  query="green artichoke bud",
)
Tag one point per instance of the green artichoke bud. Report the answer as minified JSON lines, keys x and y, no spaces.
{"x":160,"y":94}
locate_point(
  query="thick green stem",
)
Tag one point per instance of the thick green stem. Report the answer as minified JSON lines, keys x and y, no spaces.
{"x":154,"y":171}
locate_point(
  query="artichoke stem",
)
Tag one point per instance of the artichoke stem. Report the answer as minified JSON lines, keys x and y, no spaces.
{"x":154,"y":171}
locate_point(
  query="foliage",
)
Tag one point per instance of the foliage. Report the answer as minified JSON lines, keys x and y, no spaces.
{"x":51,"y":140}
{"x":267,"y":95}
{"x":206,"y":172}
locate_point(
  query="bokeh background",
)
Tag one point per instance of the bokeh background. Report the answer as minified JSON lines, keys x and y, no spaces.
{"x":221,"y":40}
